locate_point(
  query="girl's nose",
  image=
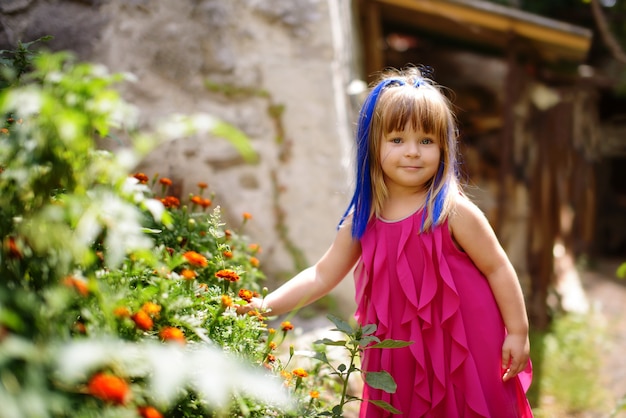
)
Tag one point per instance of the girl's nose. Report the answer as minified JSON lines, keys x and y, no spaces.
{"x":412,"y":150}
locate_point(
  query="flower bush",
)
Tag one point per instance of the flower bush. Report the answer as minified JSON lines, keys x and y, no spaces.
{"x":118,"y":298}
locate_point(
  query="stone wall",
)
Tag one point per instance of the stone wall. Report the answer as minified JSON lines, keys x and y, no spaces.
{"x":276,"y":69}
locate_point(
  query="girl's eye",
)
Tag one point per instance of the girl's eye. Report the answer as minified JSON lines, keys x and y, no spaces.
{"x":425,"y":141}
{"x":396,"y":140}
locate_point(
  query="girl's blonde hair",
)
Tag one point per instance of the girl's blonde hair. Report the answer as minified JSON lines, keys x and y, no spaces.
{"x":398,"y":98}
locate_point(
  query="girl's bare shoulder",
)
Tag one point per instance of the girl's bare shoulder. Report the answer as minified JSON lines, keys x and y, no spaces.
{"x":466,"y":215}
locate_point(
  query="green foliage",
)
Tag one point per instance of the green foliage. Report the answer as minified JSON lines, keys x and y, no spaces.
{"x":117,"y":298}
{"x":358,"y":339}
{"x":103,"y":276}
{"x":567,"y":378}
{"x":621,"y":271}
{"x":15,"y":62}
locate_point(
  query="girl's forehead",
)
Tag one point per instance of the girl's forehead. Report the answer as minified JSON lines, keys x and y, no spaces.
{"x":404,"y":105}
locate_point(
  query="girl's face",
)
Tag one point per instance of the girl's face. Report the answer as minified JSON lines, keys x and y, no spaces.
{"x":409,"y":159}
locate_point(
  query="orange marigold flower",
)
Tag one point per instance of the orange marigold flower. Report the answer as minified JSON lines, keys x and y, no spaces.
{"x":271,"y":331}
{"x":80,"y":327}
{"x":285,"y":375}
{"x":273,"y":345}
{"x":5,"y":131}
{"x":196,"y":259}
{"x":206,"y":203}
{"x":172,"y":334}
{"x":79,"y":284}
{"x":257,"y":314}
{"x":188,"y":274}
{"x":109,"y":388}
{"x":286,"y":326}
{"x":271,"y":358}
{"x":143,"y":321}
{"x":227,"y":302}
{"x":246,"y":295}
{"x":203,"y":286}
{"x":196,"y":200}
{"x":314,"y":394}
{"x":143,"y":179}
{"x":247,"y":216}
{"x":149,"y":412}
{"x":151,"y":309}
{"x":300,"y":373}
{"x":202,"y":185}
{"x":170,"y":202}
{"x":228,"y":254}
{"x":121,"y":312}
{"x":165,"y":181}
{"x":254,"y":261}
{"x":14,"y":251}
{"x":228,"y":275}
{"x":255,"y":248}
{"x":228,"y":233}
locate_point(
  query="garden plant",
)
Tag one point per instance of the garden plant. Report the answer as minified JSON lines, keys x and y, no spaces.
{"x":117,"y":298}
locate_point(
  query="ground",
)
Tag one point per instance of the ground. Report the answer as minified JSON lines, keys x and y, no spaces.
{"x":607,"y":293}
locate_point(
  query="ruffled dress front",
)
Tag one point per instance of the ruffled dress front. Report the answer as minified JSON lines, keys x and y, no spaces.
{"x":420,"y":287}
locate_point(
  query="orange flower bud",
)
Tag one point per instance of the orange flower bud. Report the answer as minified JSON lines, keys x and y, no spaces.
{"x":188,"y":274}
{"x":143,"y":321}
{"x":172,"y":334}
{"x":165,"y":181}
{"x":78,"y":284}
{"x":121,"y":312}
{"x":151,"y":309}
{"x":227,"y":302}
{"x":149,"y":412}
{"x":109,"y":388}
{"x":300,"y":373}
{"x":286,"y":326}
{"x":196,"y":259}
{"x":143,"y":179}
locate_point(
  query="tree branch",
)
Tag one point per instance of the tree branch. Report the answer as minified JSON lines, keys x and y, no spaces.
{"x":605,"y":32}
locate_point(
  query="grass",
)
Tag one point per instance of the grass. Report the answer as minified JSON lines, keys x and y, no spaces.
{"x":567,"y":359}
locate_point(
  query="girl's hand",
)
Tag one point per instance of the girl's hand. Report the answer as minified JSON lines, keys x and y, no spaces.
{"x":515,"y":355}
{"x":255,"y":304}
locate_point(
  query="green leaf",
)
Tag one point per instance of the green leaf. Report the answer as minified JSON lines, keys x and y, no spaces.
{"x":387,"y":407}
{"x":341,"y":325}
{"x":321,"y":356}
{"x":367,"y":340}
{"x":327,"y":341}
{"x":391,"y":344}
{"x":621,"y":271}
{"x":369,"y":329}
{"x":237,"y":138}
{"x":381,"y":380}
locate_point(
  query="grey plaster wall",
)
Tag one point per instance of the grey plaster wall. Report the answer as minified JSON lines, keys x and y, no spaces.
{"x":276,"y":69}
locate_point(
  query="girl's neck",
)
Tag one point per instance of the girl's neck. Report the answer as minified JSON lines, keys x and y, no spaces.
{"x":400,"y":206}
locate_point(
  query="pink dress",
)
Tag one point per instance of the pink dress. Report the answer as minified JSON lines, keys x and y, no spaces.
{"x":422,"y":288}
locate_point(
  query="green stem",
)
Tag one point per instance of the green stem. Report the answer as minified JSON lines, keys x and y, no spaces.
{"x":344,"y":391}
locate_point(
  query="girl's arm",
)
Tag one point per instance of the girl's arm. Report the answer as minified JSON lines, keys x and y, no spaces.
{"x":473,"y":233}
{"x":315,"y":281}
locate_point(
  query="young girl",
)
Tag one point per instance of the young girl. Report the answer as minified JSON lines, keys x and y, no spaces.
{"x":429,"y":268}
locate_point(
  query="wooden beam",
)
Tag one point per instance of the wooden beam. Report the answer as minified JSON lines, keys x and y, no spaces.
{"x":574,"y":41}
{"x":373,"y":38}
